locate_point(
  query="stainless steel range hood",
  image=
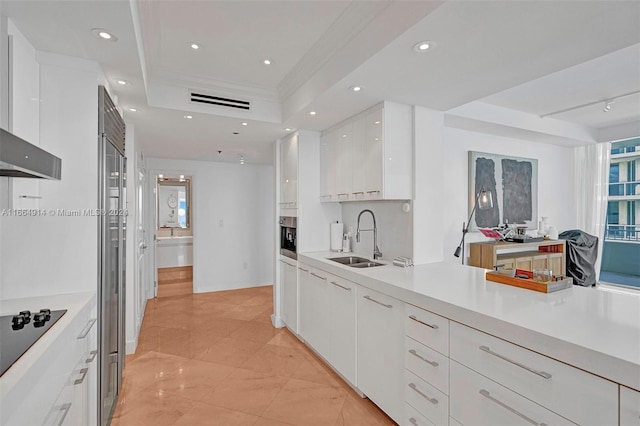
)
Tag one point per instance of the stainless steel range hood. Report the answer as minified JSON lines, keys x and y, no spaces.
{"x":19,"y":158}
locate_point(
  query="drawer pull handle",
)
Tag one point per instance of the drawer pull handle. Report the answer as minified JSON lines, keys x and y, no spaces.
{"x":341,"y":286}
{"x":414,"y":353}
{"x":413,"y":421}
{"x":83,"y":374}
{"x":87,"y":328}
{"x":542,"y":374}
{"x":302,"y":269}
{"x":379,"y":303}
{"x":419,"y":392}
{"x":413,"y":317}
{"x":318,"y":276}
{"x":487,"y":395}
{"x":93,"y":356}
{"x":65,"y":408}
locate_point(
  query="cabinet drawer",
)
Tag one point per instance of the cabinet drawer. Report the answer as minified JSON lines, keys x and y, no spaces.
{"x":629,"y":407}
{"x":428,"y":400}
{"x":414,"y":418}
{"x":428,"y":328}
{"x":429,"y":365}
{"x":579,"y":396}
{"x":478,"y":401}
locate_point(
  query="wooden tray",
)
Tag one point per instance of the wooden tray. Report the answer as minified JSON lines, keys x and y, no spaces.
{"x":543,"y":287}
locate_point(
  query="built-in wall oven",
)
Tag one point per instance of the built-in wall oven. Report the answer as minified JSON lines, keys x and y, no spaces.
{"x":288,"y":238}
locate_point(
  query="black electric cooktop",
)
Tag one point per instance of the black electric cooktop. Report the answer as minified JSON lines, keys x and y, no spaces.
{"x":19,"y":332}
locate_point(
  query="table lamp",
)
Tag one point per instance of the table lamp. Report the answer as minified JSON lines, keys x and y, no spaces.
{"x":484,"y":200}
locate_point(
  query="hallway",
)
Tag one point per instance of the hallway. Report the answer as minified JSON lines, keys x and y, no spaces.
{"x":215,"y":359}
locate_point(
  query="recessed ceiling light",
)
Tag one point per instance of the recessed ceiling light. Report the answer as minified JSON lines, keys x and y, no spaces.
{"x":423,"y":46}
{"x":189,"y":117}
{"x":376,"y":122}
{"x":133,"y":109}
{"x":267,"y":62}
{"x":355,"y":88}
{"x":287,"y":129}
{"x":104,"y":34}
{"x":244,"y":123}
{"x":123,"y":82}
{"x":195,"y":46}
{"x":312,"y":113}
{"x":236,"y":133}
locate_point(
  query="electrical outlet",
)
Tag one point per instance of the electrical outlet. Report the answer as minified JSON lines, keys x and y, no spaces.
{"x":244,"y":265}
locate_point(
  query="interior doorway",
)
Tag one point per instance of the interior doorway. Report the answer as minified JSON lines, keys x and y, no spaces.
{"x":174,"y":235}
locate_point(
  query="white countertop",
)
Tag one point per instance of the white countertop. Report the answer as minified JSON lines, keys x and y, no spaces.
{"x":595,"y":329}
{"x":16,"y":376}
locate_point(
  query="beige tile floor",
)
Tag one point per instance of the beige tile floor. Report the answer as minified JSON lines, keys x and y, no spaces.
{"x":215,"y":359}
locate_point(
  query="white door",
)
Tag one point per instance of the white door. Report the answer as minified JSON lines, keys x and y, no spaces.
{"x":142,"y":243}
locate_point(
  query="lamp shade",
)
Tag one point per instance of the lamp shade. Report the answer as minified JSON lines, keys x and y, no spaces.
{"x":485,"y":200}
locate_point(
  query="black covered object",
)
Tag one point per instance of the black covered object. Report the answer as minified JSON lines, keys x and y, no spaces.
{"x":582,"y":252}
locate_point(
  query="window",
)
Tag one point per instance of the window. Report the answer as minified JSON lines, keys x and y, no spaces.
{"x":621,"y":248}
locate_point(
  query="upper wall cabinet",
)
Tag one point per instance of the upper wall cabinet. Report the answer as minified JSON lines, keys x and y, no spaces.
{"x":369,"y":156}
{"x":289,"y":172}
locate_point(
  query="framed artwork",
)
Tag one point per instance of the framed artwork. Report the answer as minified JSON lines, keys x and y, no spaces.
{"x":513,"y":182}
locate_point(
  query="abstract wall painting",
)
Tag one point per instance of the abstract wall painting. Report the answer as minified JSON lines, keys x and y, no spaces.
{"x":513,"y":182}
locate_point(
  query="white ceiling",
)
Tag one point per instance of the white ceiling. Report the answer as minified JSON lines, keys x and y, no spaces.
{"x":530,"y":56}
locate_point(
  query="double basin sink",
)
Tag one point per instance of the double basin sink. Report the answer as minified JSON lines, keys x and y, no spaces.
{"x":355,"y":262}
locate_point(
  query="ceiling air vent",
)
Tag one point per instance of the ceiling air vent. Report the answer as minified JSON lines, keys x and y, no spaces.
{"x":202,"y":98}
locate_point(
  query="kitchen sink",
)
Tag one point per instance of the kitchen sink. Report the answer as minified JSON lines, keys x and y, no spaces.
{"x":366,"y":264}
{"x":348,"y":260}
{"x":355,"y":262}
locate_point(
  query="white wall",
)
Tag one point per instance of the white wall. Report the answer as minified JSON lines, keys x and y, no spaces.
{"x":232,"y":216}
{"x":556,"y":188}
{"x":395,"y":228}
{"x":56,"y":254}
{"x":429,"y":181}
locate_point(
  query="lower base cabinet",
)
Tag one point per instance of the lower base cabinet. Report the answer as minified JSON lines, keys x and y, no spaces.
{"x":478,"y":401}
{"x":629,"y":407}
{"x":342,"y":327}
{"x":380,"y":322}
{"x":423,"y":369}
{"x":289,"y":279}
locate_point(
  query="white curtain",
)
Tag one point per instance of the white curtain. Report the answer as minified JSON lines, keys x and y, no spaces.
{"x":592,"y":189}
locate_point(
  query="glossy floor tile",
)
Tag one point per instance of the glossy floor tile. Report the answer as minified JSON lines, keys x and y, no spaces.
{"x":215,"y":359}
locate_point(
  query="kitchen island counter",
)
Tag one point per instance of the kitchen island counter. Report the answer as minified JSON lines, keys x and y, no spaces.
{"x":594,"y":329}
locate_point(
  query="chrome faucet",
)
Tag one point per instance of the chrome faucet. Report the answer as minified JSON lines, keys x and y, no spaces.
{"x":376,"y":250}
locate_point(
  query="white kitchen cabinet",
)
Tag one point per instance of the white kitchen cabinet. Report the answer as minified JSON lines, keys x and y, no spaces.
{"x":629,"y":407}
{"x":359,"y":163}
{"x":342,"y":326}
{"x":343,"y":159}
{"x":289,"y":281}
{"x":427,"y":399}
{"x":574,"y":394}
{"x":289,"y":172}
{"x":24,"y":111}
{"x":55,"y":382}
{"x":314,"y":301}
{"x":380,"y":347}
{"x":373,"y":153}
{"x":372,"y":156}
{"x":327,"y":177}
{"x":476,"y":400}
